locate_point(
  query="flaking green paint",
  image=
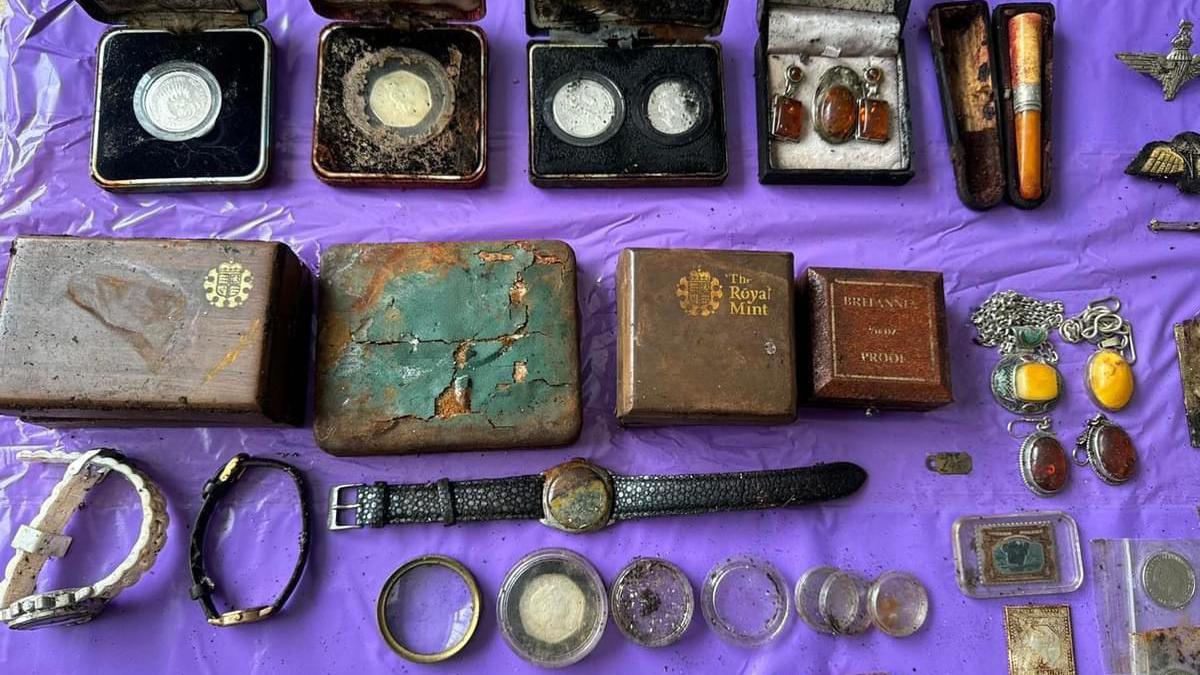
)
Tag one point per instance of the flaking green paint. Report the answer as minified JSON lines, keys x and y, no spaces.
{"x":405,"y":314}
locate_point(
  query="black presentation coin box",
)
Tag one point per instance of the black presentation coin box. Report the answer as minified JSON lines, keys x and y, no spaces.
{"x":817,"y":36}
{"x":626,"y":93}
{"x":401,"y":94}
{"x":183,"y":95}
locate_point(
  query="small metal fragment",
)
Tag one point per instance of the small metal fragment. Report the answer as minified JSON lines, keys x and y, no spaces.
{"x":1157,"y":225}
{"x":949,"y":463}
{"x":1187,"y":344}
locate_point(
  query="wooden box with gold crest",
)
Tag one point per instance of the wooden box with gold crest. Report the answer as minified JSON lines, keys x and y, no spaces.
{"x":166,"y":332}
{"x":626,"y":93}
{"x":705,"y":337}
{"x":401,"y":94}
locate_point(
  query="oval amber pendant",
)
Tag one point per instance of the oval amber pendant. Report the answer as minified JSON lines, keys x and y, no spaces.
{"x":1109,"y":380}
{"x":835,"y":105}
{"x":1110,"y":450}
{"x":1043,"y":464}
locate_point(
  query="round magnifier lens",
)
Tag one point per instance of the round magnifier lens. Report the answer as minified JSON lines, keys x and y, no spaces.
{"x":745,"y":601}
{"x":585,"y":109}
{"x":552,"y":608}
{"x":675,"y":108}
{"x":652,"y":602}
{"x":177,"y":101}
{"x":429,"y":609}
{"x":898,"y":603}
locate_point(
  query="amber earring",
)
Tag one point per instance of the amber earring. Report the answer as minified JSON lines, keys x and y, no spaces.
{"x":874,"y":113}
{"x":1108,"y":449}
{"x":788,"y":114}
{"x":1044,"y":463}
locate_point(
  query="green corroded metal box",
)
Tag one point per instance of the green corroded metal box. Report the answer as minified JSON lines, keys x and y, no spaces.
{"x":437,"y":347}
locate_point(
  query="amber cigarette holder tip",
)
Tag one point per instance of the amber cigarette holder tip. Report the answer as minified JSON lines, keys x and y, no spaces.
{"x":1025,"y":56}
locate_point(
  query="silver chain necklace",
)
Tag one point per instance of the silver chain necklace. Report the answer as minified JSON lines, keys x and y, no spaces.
{"x":1014,"y":322}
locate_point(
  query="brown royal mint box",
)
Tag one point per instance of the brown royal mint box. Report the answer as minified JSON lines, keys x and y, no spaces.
{"x":121,"y":332}
{"x":877,"y":339}
{"x":434,"y":347}
{"x":705,"y":337}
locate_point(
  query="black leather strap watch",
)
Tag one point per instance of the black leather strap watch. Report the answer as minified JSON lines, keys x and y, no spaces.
{"x":215,"y":489}
{"x":579,"y":496}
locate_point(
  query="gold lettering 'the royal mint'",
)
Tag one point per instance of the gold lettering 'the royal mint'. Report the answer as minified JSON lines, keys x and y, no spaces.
{"x":745,"y":299}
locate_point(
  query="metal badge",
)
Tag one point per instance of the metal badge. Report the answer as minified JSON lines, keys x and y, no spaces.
{"x":1174,"y":69}
{"x":177,"y":101}
{"x":1169,"y":579}
{"x":1187,"y":344}
{"x":1175,"y":161}
{"x":1017,"y":554}
{"x":949,"y":463}
{"x":1040,"y":641}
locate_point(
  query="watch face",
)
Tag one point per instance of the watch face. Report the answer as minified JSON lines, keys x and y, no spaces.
{"x":577,"y":497}
{"x":66,"y":615}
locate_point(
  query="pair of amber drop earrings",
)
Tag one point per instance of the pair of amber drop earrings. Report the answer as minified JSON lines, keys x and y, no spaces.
{"x":845,"y":107}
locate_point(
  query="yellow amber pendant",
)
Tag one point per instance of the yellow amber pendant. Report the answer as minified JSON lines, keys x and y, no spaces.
{"x":1036,"y":382}
{"x":1109,"y":380}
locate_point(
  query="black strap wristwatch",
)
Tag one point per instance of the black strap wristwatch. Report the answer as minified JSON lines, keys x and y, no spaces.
{"x":579,"y":496}
{"x":203,"y":587}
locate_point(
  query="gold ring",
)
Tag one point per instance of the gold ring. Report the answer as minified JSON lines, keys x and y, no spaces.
{"x":476,"y":603}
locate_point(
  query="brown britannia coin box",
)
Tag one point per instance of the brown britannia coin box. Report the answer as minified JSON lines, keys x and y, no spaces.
{"x":819,"y":35}
{"x":401,"y":94}
{"x":971,"y":57}
{"x":626,"y":93}
{"x":435,"y":347}
{"x":705,"y":337}
{"x":163,"y":332}
{"x":877,"y":339}
{"x":183,"y":95}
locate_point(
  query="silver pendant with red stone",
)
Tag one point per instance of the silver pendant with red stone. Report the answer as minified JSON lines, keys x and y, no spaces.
{"x":1108,"y":448}
{"x":1044,"y":463}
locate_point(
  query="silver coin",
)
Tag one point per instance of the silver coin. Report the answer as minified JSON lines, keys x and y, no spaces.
{"x":673,"y":107}
{"x":1169,"y":580}
{"x":177,"y":101}
{"x":585,"y":108}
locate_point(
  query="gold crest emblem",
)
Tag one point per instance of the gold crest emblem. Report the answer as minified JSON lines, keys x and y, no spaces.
{"x":228,"y":285}
{"x":699,"y":293}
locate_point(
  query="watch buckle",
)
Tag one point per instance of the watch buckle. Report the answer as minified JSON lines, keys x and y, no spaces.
{"x":336,"y":506}
{"x":237,"y":617}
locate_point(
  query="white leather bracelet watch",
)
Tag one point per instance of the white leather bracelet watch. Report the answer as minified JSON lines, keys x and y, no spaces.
{"x":21,"y":606}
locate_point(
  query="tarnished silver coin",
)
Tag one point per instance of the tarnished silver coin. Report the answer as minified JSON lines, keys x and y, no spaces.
{"x":1169,"y":580}
{"x":177,"y":101}
{"x":585,"y":109}
{"x":674,"y":107}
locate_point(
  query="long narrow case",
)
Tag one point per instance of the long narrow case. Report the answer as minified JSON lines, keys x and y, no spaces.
{"x":819,"y":36}
{"x":165,"y":332}
{"x":626,"y":93}
{"x":183,"y":95}
{"x":401,"y":94}
{"x":971,"y":57}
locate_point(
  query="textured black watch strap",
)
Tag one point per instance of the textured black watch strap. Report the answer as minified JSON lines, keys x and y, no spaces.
{"x":650,"y":496}
{"x":215,"y":489}
{"x":444,"y":501}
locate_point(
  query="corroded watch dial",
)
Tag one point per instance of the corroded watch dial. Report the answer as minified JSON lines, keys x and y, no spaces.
{"x":577,"y":497}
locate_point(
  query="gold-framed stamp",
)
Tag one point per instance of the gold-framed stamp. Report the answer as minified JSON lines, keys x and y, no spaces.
{"x":1040,"y":641}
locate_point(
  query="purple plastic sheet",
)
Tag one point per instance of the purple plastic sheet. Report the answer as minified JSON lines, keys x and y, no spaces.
{"x":1089,"y":241}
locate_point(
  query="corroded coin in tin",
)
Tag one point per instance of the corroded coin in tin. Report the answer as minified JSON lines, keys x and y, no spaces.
{"x":1169,"y":580}
{"x":674,"y":107}
{"x":177,"y":101}
{"x":585,"y":109}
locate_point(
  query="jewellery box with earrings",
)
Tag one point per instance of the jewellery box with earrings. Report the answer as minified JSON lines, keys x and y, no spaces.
{"x":401,"y":94}
{"x":832,"y":92}
{"x":985,"y":94}
{"x":875,"y":339}
{"x":626,"y":93}
{"x":183,"y":95}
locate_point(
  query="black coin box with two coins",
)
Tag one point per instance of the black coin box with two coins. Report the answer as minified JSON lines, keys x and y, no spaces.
{"x":401,"y":94}
{"x":626,"y":93}
{"x":183,"y":95}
